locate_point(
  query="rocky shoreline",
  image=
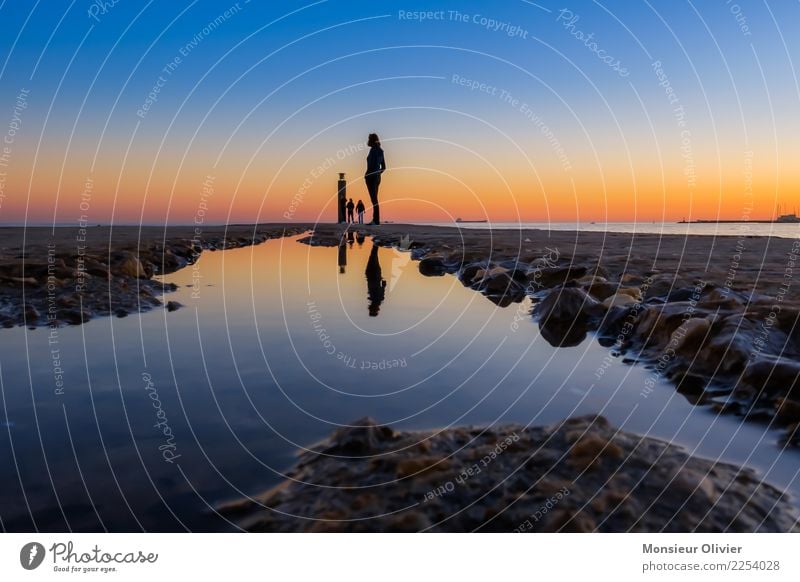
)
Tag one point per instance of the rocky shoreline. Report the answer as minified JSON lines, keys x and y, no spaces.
{"x":724,"y":330}
{"x":69,"y":275}
{"x":580,"y":475}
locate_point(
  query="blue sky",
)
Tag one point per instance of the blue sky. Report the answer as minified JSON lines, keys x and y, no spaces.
{"x":274,"y":77}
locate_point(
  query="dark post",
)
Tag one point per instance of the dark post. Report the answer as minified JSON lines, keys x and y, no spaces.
{"x":342,"y":201}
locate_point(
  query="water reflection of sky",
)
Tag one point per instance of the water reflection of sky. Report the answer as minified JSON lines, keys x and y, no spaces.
{"x":277,"y":344}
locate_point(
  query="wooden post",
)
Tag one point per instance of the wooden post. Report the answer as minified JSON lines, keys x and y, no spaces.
{"x":342,"y":198}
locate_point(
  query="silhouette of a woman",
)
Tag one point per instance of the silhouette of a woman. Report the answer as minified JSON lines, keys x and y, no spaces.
{"x":376,"y":164}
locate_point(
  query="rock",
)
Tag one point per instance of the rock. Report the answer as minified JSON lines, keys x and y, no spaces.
{"x":482,"y":275}
{"x":662,"y":285}
{"x":31,"y":313}
{"x":568,"y":521}
{"x":417,"y":465}
{"x":497,"y":281}
{"x":97,"y":269}
{"x":656,"y":324}
{"x":590,"y":448}
{"x":173,"y":305}
{"x":67,"y":301}
{"x":552,"y":276}
{"x":74,"y":316}
{"x":787,"y":410}
{"x":364,"y":436}
{"x":129,"y":265}
{"x":434,"y":266}
{"x":635,"y":483}
{"x":773,"y":378}
{"x":619,"y":300}
{"x":566,"y":315}
{"x":601,"y":290}
{"x":591,"y":280}
{"x":691,"y":482}
{"x":690,"y":333}
{"x":24,"y":281}
{"x":735,"y":340}
{"x":633,"y":278}
{"x":467,"y":273}
{"x":634,"y":292}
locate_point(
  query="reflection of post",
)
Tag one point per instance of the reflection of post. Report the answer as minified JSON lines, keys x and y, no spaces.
{"x":342,"y":198}
{"x":342,"y":255}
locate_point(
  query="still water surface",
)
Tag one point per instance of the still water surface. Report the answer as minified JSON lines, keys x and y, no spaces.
{"x":166,"y":414}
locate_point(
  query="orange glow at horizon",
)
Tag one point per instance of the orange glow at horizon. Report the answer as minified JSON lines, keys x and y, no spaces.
{"x":426,"y":182}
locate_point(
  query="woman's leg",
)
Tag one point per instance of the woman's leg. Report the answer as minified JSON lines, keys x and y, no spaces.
{"x":372,"y":187}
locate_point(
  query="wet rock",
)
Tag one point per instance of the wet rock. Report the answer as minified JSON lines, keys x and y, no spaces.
{"x":773,"y":378}
{"x":619,"y":300}
{"x":613,"y":481}
{"x":690,"y":333}
{"x":418,"y":465}
{"x":74,"y":316}
{"x":735,"y":340}
{"x":21,"y":281}
{"x":601,"y":290}
{"x":173,"y":305}
{"x":663,"y":285}
{"x":554,"y":276}
{"x":469,"y":269}
{"x":481,"y":276}
{"x":591,"y":448}
{"x":433,"y":266}
{"x":497,"y":281}
{"x":31,"y":313}
{"x":787,"y":410}
{"x":569,"y":521}
{"x":129,"y":265}
{"x":566,"y":315}
{"x":364,"y":436}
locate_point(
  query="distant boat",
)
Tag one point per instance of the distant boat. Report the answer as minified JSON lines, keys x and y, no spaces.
{"x":469,"y":221}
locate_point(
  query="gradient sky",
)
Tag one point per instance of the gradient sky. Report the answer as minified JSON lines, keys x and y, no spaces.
{"x":266,"y":105}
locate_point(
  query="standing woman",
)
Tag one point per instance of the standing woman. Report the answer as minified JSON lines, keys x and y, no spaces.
{"x":376,"y":164}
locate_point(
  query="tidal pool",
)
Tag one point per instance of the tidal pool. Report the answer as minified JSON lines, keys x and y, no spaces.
{"x":149,"y":421}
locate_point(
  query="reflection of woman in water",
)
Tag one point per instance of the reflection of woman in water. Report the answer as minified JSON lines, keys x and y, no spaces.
{"x":376,"y":164}
{"x":376,"y":286}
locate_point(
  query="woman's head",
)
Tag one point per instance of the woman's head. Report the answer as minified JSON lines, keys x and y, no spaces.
{"x":373,"y":140}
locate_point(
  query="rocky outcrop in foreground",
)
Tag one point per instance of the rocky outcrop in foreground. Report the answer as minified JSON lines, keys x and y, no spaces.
{"x":580,"y":475}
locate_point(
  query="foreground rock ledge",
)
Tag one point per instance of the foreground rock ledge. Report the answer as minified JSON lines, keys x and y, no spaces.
{"x":580,"y":475}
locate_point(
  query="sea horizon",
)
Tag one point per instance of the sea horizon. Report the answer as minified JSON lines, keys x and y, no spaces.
{"x":724,"y":228}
